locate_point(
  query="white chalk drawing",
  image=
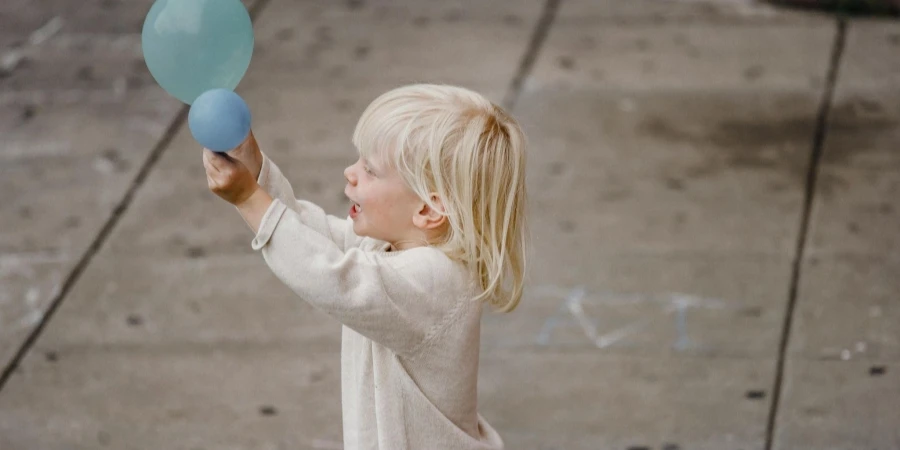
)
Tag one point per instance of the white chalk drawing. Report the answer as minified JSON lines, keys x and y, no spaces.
{"x":742,"y":7}
{"x":48,"y":35}
{"x":20,"y":311}
{"x":13,"y":57}
{"x":24,"y":318}
{"x":572,"y":307}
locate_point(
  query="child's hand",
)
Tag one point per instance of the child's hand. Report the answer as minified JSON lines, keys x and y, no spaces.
{"x":249,"y":154}
{"x":228,"y":178}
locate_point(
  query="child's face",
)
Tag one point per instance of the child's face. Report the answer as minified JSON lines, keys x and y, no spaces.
{"x":382,"y":205}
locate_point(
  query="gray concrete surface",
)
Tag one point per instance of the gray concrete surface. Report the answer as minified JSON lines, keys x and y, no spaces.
{"x":80,"y":118}
{"x":671,"y":145}
{"x":842,"y":371}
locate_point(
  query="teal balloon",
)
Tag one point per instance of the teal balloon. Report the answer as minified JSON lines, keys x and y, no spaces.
{"x":193,"y":46}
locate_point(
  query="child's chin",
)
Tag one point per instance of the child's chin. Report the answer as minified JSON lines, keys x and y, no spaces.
{"x":362,"y":232}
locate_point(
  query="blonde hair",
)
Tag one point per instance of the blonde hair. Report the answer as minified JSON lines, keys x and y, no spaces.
{"x":456,"y":143}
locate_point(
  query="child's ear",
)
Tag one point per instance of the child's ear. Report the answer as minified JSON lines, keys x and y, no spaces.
{"x":428,"y":218}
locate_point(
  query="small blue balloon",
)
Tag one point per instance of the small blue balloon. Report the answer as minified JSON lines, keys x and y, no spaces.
{"x":219,"y":120}
{"x":192,"y":46}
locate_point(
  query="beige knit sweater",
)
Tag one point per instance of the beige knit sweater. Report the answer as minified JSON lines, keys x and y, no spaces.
{"x":410,"y":343}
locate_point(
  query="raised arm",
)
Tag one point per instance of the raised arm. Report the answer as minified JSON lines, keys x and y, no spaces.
{"x":398,"y":300}
{"x":270,"y":178}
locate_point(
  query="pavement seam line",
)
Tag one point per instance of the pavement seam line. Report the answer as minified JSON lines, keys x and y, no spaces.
{"x":113,"y":220}
{"x":541,"y":30}
{"x":98,"y":242}
{"x":819,"y":135}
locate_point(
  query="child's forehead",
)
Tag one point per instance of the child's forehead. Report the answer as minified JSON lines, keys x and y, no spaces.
{"x":376,"y":157}
{"x":374,"y":162}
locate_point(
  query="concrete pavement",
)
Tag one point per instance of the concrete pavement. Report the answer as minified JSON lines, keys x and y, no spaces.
{"x":713,"y":200}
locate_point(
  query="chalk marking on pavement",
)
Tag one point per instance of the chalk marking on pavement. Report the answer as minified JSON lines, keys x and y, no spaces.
{"x":22,"y":265}
{"x":14,"y":56}
{"x":573,"y":305}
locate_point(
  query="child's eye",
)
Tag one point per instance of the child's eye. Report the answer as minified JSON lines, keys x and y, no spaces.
{"x":368,"y":170}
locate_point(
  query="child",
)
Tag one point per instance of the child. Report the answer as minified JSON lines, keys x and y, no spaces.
{"x":436,"y":228}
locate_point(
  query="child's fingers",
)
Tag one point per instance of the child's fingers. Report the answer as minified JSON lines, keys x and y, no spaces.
{"x":225,"y":156}
{"x":208,"y":164}
{"x":220,"y":161}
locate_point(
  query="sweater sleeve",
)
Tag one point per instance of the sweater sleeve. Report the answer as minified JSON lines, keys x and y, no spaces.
{"x":398,"y":300}
{"x":277,"y":185}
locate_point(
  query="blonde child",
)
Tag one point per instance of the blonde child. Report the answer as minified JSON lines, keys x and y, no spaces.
{"x":436,"y":228}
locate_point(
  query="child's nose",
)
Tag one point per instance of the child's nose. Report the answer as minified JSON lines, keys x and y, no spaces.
{"x":349,"y":175}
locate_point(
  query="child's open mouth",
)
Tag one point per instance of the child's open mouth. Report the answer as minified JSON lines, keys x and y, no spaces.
{"x":355,"y":209}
